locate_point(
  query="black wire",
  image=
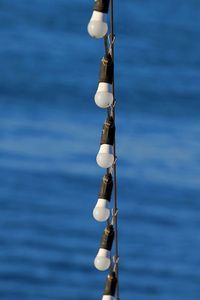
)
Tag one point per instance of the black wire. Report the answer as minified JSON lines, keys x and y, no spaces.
{"x":112,"y":112}
{"x":106,"y":44}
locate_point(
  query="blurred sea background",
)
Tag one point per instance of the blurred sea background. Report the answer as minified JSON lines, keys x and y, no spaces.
{"x":49,"y":136}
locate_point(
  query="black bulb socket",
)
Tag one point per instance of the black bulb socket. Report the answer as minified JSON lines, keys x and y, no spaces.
{"x":108,"y":132}
{"x":102,"y":6}
{"x":106,"y":69}
{"x":107,"y":238}
{"x":106,"y":187}
{"x":111,"y":284}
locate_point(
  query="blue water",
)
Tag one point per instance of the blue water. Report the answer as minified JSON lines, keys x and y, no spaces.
{"x":49,"y":135}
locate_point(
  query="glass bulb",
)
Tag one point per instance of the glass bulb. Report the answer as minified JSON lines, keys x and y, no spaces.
{"x":97,"y":29}
{"x":108,"y":297}
{"x":105,"y":157}
{"x":105,"y":160}
{"x":103,"y":99}
{"x":97,"y":26}
{"x":101,"y":211}
{"x":102,"y":260}
{"x":104,"y":96}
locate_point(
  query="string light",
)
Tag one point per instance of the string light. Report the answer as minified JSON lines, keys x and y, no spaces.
{"x":106,"y":157}
{"x":104,"y":96}
{"x":101,"y":211}
{"x":102,"y":261}
{"x":97,"y":26}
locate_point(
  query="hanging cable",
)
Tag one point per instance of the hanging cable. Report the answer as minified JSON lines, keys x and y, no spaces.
{"x":115,"y":208}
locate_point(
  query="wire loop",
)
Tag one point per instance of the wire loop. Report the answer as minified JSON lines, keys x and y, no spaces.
{"x":111,"y":41}
{"x":114,"y":103}
{"x":114,"y":215}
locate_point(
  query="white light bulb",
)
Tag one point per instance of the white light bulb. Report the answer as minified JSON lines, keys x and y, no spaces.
{"x":101,"y":211}
{"x":104,"y":96}
{"x":97,"y":26}
{"x":108,"y":297}
{"x":105,"y":157}
{"x":102,"y":260}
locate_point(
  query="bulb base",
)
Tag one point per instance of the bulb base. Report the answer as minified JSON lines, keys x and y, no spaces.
{"x":106,"y":69}
{"x":108,"y":132}
{"x":106,"y":187}
{"x":102,"y":5}
{"x":111,"y":284}
{"x":107,"y":238}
